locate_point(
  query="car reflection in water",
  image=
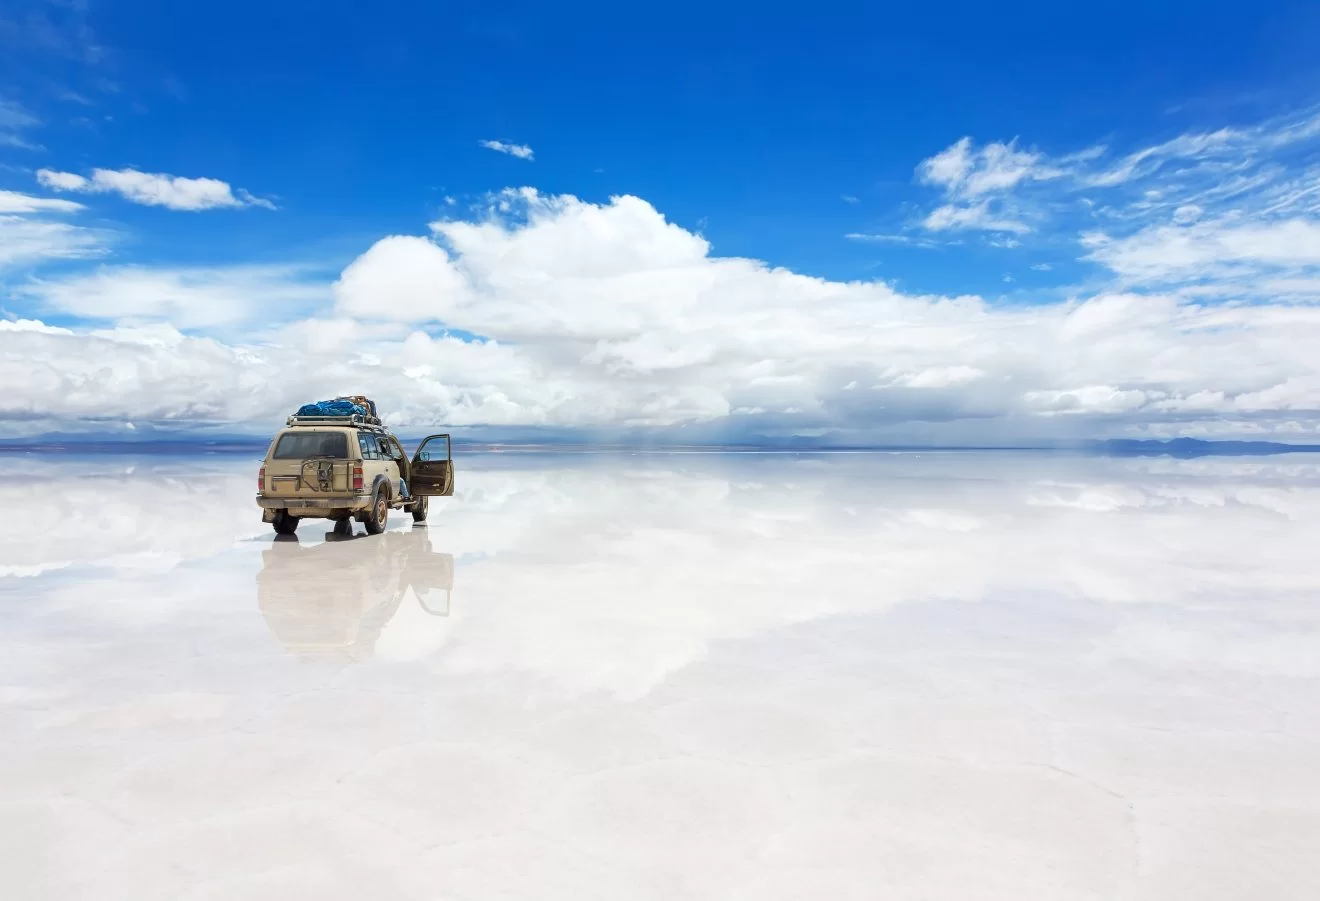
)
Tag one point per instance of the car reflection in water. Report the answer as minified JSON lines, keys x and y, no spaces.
{"x":331,"y":600}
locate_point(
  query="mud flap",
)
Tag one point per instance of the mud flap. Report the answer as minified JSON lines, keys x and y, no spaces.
{"x":268,"y":514}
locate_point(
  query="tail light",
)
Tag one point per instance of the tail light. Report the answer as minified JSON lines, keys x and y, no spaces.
{"x":357,"y":478}
{"x":261,"y":479}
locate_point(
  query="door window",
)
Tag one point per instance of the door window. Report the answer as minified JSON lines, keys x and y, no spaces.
{"x":433,"y":449}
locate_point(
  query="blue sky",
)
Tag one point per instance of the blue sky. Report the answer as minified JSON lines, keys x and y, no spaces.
{"x":823,"y":140}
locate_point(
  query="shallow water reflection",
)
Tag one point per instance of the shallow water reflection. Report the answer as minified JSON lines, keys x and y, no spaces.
{"x":933,"y":676}
{"x":333,"y":599}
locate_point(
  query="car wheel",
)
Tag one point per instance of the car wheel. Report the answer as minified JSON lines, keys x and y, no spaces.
{"x":284,"y":523}
{"x":419,"y":509}
{"x":379,"y":513}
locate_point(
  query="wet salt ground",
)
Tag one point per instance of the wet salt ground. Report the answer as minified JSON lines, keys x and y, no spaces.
{"x":659,"y":677}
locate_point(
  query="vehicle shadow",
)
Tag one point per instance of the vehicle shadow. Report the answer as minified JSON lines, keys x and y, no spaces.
{"x":331,"y":601}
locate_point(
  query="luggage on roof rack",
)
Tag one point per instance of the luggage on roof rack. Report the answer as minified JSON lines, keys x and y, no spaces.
{"x":362,"y":401}
{"x":337,"y":407}
{"x":341,"y":406}
{"x":355,"y":410}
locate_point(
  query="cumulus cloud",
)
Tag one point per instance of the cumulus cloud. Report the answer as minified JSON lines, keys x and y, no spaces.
{"x":404,"y":278}
{"x":127,"y":373}
{"x":606,"y":316}
{"x":521,"y":151}
{"x":154,"y":189}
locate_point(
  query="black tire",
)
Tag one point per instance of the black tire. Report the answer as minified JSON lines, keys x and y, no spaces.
{"x":419,"y":508}
{"x":283,"y":523}
{"x":378,"y":514}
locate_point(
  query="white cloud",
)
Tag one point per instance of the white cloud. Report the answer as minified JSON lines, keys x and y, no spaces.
{"x":151,"y":373}
{"x":401,"y":278}
{"x":1042,"y":267}
{"x":950,"y":167}
{"x":605,"y":316}
{"x":1147,"y":161}
{"x":941,"y":377}
{"x":154,"y":189}
{"x":521,"y":151}
{"x":977,"y":216}
{"x":890,"y":239}
{"x":28,"y":236}
{"x":1090,"y":399}
{"x":976,"y":184}
{"x":186,"y":297}
{"x":1237,"y":216}
{"x":878,"y":239}
{"x":1002,"y":166}
{"x":1221,"y":249}
{"x":25,"y":241}
{"x":1265,"y":171}
{"x":13,"y":202}
{"x":63,"y":181}
{"x":848,"y":198}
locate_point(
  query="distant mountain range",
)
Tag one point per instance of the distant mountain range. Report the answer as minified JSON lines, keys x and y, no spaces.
{"x":1194,"y":447}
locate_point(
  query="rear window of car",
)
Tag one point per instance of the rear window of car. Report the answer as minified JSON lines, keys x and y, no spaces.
{"x":301,"y":445}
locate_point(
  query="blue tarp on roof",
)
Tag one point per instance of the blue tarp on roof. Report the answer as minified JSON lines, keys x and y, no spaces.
{"x":332,"y":408}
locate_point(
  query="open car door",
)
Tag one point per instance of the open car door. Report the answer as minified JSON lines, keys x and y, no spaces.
{"x":433,"y":468}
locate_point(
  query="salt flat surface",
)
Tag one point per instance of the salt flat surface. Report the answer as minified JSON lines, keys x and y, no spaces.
{"x":987,"y":676}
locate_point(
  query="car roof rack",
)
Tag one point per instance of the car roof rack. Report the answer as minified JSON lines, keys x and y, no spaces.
{"x":356,"y":421}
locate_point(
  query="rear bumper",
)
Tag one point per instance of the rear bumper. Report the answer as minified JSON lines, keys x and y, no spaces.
{"x":334,"y":502}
